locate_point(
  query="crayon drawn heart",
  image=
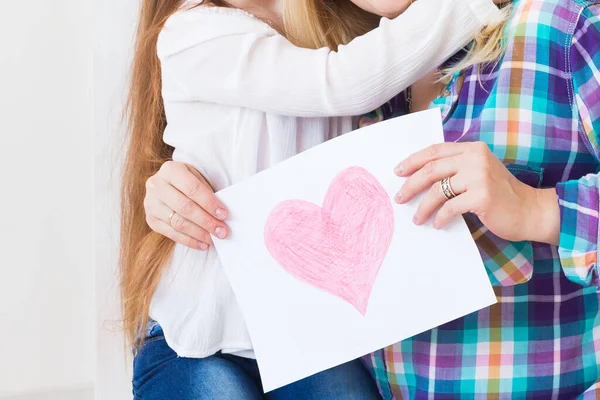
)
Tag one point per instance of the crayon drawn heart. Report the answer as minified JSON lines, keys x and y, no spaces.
{"x":339,"y":247}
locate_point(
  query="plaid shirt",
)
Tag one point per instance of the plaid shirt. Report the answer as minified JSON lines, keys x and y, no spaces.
{"x":539,"y":112}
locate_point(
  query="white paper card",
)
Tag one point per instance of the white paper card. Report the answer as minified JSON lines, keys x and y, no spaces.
{"x":306,"y":298}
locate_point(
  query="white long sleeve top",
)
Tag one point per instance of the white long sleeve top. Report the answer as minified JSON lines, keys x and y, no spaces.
{"x":240,"y":98}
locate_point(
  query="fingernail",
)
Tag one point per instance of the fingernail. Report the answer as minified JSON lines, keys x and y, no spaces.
{"x":398,"y":169}
{"x":221,"y":214}
{"x":398,"y":198}
{"x":415,"y":220}
{"x":435,"y":225}
{"x":220,"y":232}
{"x":203,"y":246}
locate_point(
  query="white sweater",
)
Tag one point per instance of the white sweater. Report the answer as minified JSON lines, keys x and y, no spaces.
{"x":240,"y":98}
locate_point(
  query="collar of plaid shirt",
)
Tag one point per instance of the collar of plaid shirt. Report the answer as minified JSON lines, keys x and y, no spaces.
{"x":539,"y":112}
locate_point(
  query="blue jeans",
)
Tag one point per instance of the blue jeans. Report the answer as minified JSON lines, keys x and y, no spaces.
{"x":158,"y":374}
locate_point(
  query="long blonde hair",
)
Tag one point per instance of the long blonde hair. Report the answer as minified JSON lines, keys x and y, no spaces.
{"x":325,"y":23}
{"x":487,"y":48}
{"x":144,"y":253}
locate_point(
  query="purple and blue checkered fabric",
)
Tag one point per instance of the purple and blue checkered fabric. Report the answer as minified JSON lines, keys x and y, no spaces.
{"x":539,"y":112}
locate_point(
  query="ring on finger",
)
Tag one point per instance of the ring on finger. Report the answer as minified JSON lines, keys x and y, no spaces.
{"x":446,"y":188}
{"x":171,"y":218}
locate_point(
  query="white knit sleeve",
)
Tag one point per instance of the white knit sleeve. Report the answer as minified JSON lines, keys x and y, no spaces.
{"x":222,"y":58}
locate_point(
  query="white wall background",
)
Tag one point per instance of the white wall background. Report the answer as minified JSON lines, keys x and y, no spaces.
{"x":114,"y":24}
{"x":46,"y":224}
{"x":63,"y":66}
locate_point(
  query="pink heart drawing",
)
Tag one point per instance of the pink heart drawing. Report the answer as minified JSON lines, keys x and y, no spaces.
{"x":339,"y":247}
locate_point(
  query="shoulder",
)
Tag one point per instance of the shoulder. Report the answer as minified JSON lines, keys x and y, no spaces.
{"x":548,"y":20}
{"x":213,"y":16}
{"x":191,"y":26}
{"x":540,"y":32}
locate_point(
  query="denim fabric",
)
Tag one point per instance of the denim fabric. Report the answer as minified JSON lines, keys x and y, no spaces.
{"x":158,"y":374}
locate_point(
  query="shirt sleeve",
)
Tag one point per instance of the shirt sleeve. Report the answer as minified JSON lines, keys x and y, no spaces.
{"x":579,"y":200}
{"x":222,"y":58}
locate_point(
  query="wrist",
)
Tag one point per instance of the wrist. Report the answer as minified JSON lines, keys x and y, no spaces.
{"x":542,"y":216}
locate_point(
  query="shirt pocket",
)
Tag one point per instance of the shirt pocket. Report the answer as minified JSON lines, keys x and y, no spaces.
{"x":507,"y":263}
{"x":530,"y":176}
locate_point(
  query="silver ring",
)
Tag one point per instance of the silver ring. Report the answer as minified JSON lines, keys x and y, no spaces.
{"x":447,"y":189}
{"x":171,"y":218}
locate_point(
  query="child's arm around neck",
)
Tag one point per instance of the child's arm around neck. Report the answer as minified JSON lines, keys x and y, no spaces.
{"x":223,"y":56}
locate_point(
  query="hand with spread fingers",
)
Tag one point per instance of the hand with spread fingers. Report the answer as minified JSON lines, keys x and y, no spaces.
{"x":181,"y":205}
{"x":468,"y":178}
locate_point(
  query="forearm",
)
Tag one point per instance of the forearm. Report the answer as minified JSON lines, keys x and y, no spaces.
{"x":579,"y":204}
